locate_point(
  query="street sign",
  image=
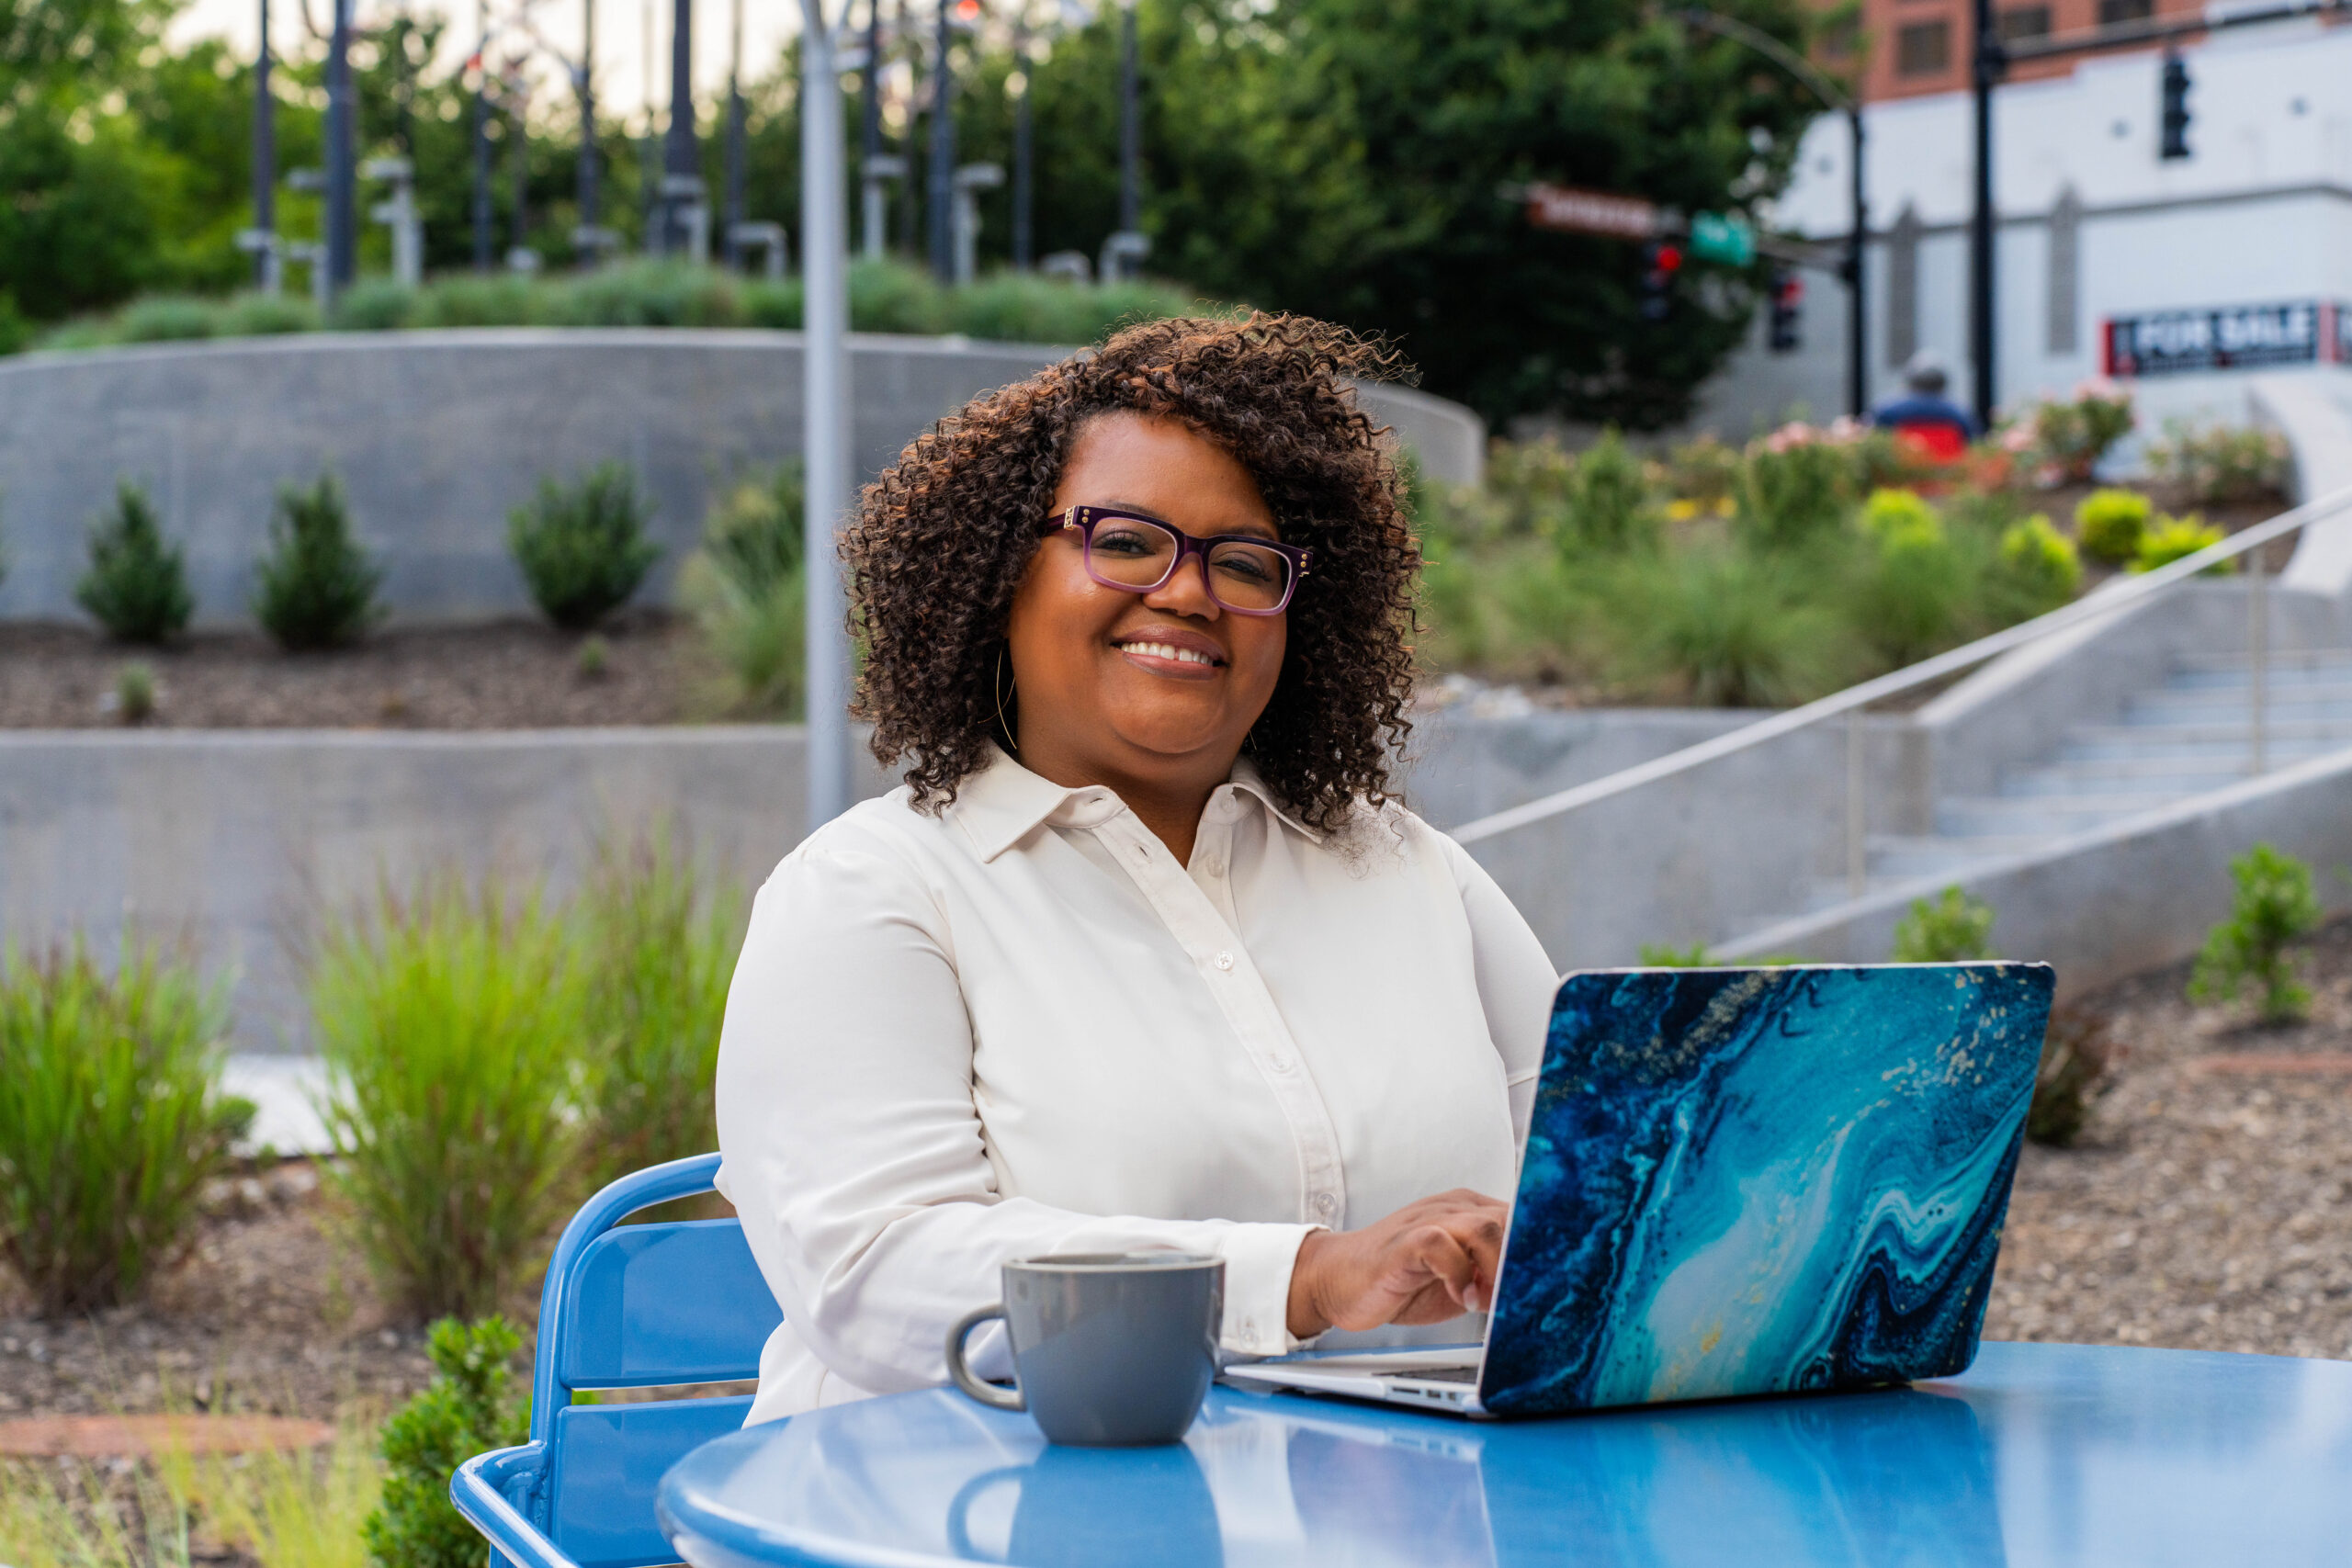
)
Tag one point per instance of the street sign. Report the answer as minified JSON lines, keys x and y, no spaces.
{"x":1582,"y":212}
{"x":1718,"y":237}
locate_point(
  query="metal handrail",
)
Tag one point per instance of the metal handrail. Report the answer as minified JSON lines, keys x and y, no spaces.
{"x":2118,"y":596}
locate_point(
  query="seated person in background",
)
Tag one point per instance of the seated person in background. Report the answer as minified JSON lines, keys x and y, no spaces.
{"x":1940,"y":428}
{"x":1144,"y":952}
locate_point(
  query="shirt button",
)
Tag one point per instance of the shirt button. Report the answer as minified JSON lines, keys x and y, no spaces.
{"x":1282,"y":1063}
{"x":1214,"y":866}
{"x":1224,"y":960}
{"x":1325,"y":1204}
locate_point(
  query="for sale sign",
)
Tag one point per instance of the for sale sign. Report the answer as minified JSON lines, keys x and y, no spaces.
{"x":2228,"y":337}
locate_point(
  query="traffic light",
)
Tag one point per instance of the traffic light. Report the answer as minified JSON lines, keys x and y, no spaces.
{"x":1661,"y":259}
{"x":1788,"y":306}
{"x":2174,"y":116}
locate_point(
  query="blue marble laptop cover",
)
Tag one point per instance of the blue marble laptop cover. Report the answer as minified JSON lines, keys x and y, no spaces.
{"x":1755,"y":1181}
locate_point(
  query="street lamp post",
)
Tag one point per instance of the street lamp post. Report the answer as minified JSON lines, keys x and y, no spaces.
{"x":265,"y":264}
{"x":869,"y":136}
{"x":342,"y":225}
{"x":1130,"y":131}
{"x":735,"y":131}
{"x":1986,"y":66}
{"x":1833,"y":97}
{"x":681,"y":155}
{"x":824,"y":398}
{"x":584,"y":82}
{"x":481,"y":136}
{"x":941,"y":175}
{"x":1023,"y":191}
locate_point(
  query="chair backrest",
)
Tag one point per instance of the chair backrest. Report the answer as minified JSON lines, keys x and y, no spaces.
{"x":638,"y":1306}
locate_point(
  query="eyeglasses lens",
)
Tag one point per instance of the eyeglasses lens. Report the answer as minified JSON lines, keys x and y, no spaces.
{"x":1129,"y":553}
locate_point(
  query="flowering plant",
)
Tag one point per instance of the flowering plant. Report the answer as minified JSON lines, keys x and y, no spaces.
{"x":2065,"y":439}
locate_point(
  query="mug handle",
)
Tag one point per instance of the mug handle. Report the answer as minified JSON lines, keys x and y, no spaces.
{"x":987,"y":1393}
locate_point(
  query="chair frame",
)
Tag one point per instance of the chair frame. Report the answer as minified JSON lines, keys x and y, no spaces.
{"x":506,"y":1492}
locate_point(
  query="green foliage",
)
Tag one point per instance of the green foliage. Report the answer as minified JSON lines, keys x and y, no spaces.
{"x":1704,"y":471}
{"x":581,"y":546}
{"x":473,"y":1405}
{"x":1954,"y":930}
{"x":2034,"y":571}
{"x":2177,"y":538}
{"x":1732,"y":625}
{"x":2223,"y":464}
{"x":134,"y":692}
{"x":136,"y":586}
{"x":111,"y":1120}
{"x":658,"y":949}
{"x":2077,"y":1061}
{"x":1665,"y":956}
{"x":2273,"y":906}
{"x":2109,"y":523}
{"x":1888,"y":513}
{"x":1606,"y":505}
{"x":1794,"y":487}
{"x":2071,"y":436}
{"x":747,"y":593}
{"x":1911,"y":594}
{"x":316,"y":588}
{"x":450,"y":1026}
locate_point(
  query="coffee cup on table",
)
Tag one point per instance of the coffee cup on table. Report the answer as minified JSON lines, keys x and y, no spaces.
{"x":1109,"y":1349}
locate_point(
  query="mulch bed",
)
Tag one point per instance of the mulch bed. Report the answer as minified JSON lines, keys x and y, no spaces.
{"x":2205,"y":1206}
{"x":504,"y":675}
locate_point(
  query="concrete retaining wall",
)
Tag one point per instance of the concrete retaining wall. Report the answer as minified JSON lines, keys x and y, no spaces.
{"x":437,"y":434}
{"x":236,"y":843}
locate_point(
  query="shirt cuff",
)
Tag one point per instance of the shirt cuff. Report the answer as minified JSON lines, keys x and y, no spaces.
{"x":1257,"y":1261}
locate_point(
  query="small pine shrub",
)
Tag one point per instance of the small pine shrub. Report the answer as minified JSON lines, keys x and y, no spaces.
{"x":2109,"y":523}
{"x":316,"y":588}
{"x":136,"y":586}
{"x":2273,"y":906}
{"x":449,"y":1024}
{"x":657,"y":947}
{"x":2034,"y":571}
{"x":1955,"y":929}
{"x":581,"y":546}
{"x":1607,"y":507}
{"x":2177,"y":538}
{"x":112,"y":1120}
{"x":472,"y":1406}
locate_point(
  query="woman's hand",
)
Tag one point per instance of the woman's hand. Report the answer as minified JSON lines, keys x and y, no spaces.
{"x":1425,"y":1263}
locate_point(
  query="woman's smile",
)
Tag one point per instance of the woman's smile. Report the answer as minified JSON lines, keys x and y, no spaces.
{"x":1171,"y":651}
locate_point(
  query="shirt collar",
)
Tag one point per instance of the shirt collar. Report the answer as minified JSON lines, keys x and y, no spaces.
{"x":1004,"y":802}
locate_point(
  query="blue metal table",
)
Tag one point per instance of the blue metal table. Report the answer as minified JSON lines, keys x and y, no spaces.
{"x":2041,"y":1454}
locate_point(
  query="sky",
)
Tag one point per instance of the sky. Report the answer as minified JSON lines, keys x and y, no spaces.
{"x":621,"y":29}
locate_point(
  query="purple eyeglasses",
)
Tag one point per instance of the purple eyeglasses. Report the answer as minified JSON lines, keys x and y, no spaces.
{"x":1245,"y":574}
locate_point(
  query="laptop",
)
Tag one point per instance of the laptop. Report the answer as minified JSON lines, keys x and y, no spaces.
{"x":1742,"y":1181}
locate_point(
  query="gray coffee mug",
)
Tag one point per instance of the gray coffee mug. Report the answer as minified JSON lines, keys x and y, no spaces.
{"x":1109,"y":1349}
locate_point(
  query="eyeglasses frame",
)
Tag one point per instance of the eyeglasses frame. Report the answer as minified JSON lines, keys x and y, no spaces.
{"x":1083,"y":519}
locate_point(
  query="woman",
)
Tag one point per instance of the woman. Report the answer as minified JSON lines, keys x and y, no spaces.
{"x":1143,"y":954}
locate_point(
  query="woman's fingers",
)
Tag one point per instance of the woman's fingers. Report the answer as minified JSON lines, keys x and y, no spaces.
{"x":1428,"y":1262}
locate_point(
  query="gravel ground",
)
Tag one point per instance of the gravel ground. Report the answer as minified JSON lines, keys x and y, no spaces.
{"x":506,"y":675}
{"x":2206,"y":1206}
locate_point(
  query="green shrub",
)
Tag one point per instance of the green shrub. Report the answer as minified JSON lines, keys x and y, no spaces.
{"x":1704,"y":471}
{"x":2034,"y":571}
{"x":473,"y":1405}
{"x":748,"y":595}
{"x":1665,"y":956}
{"x":2274,"y":905}
{"x":134,"y":692}
{"x":658,"y":949}
{"x":2177,"y":538}
{"x":582,"y":546}
{"x":1910,"y":593}
{"x":889,"y":296}
{"x":2109,"y":523}
{"x":267,"y":315}
{"x":316,"y":588}
{"x":136,"y":586}
{"x":481,"y":299}
{"x":2223,"y":464}
{"x":2072,"y":436}
{"x":1954,"y":930}
{"x":1527,"y":486}
{"x":2077,"y":1058}
{"x":1606,"y":503}
{"x":376,"y":305}
{"x":1731,"y":626}
{"x":643,"y":294}
{"x":1794,"y":487}
{"x":112,"y":1120}
{"x":449,"y":1027}
{"x":168,"y":318}
{"x":776,"y":304}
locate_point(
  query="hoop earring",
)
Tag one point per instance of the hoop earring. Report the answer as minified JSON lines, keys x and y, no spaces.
{"x":1003,"y":725}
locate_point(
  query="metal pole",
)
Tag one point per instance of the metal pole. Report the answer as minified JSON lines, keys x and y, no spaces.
{"x":1985,"y":69}
{"x":1024,"y":194}
{"x":2258,"y":620}
{"x":481,"y":136}
{"x":518,"y":132}
{"x":343,"y":219}
{"x":1858,"y":318}
{"x":648,"y":167}
{"x":585,"y":180}
{"x":733,"y":248}
{"x":942,"y":173}
{"x":1130,"y":131}
{"x":825,"y":395}
{"x":1858,"y":864}
{"x":681,"y":154}
{"x":869,"y":132}
{"x":265,"y":154}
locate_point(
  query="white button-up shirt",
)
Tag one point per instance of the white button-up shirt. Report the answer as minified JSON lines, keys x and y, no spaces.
{"x":1020,"y":1027}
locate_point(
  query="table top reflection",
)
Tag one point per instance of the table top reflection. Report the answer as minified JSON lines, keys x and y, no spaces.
{"x":2041,"y":1454}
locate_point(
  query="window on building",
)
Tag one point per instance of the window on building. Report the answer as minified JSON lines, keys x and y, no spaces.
{"x":2111,"y":12}
{"x":2024,"y":22}
{"x":1922,"y":49}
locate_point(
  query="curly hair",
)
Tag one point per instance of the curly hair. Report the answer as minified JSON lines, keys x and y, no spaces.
{"x":944,"y":535}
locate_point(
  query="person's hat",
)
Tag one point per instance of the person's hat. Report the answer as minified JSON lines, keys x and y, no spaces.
{"x":1926,"y":372}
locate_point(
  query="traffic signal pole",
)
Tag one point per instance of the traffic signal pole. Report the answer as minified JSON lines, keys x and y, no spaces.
{"x":1988,"y":63}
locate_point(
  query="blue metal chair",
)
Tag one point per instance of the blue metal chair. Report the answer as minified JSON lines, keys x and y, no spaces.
{"x":635,"y":1306}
